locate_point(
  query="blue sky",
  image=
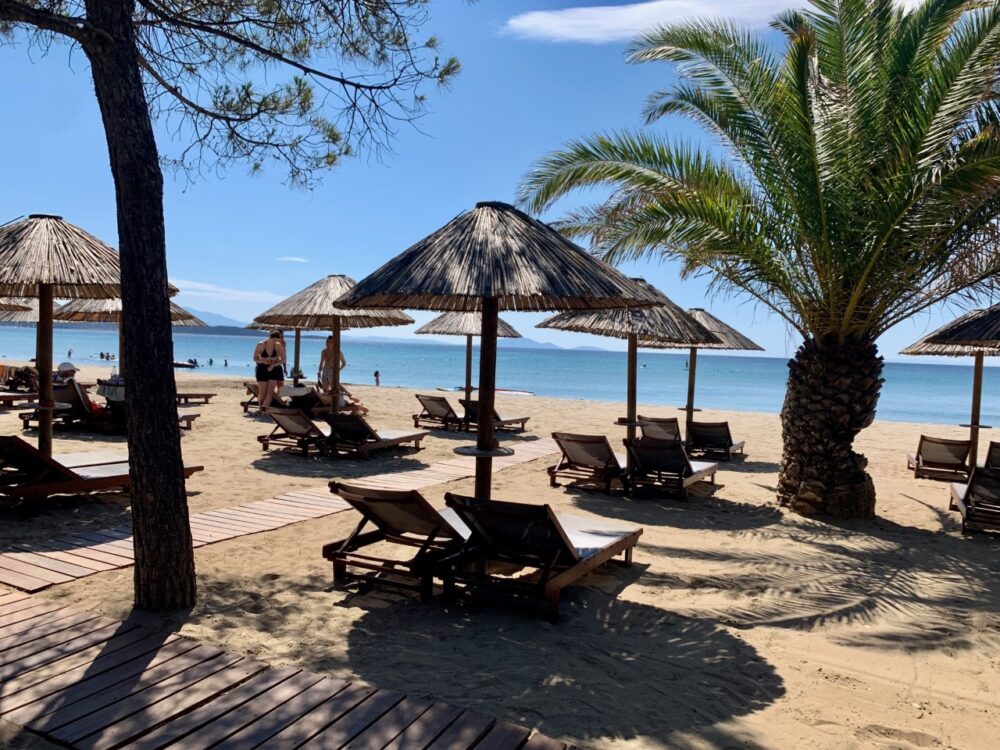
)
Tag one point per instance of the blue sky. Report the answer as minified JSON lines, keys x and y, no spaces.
{"x":535,"y":74}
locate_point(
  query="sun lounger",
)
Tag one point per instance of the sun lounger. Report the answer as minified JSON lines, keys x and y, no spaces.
{"x":436,"y":411}
{"x":713,"y":438}
{"x":587,"y":458}
{"x":401,"y":517}
{"x":27,"y":474}
{"x":353,"y":434}
{"x":940,"y":458}
{"x":992,"y":460}
{"x":295,"y":429}
{"x":562,"y":549}
{"x":253,"y":402}
{"x":517,"y":424}
{"x":188,"y":399}
{"x":82,"y":411}
{"x":665,"y":463}
{"x":660,"y":428}
{"x":978,"y":501}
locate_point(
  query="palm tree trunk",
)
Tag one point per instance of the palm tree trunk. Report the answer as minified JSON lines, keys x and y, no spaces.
{"x":833,"y":390}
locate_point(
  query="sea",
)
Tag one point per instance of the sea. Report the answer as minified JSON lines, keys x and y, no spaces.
{"x":912,"y":393}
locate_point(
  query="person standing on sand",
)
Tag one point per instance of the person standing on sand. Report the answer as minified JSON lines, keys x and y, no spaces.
{"x":326,"y":360}
{"x":378,"y":378}
{"x":269,"y":356}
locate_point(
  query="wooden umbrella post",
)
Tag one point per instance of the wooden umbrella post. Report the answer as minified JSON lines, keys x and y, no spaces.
{"x":487,"y":396}
{"x":335,"y":365}
{"x":630,"y":396}
{"x":977,"y":395}
{"x":692,"y":367}
{"x":468,"y":367}
{"x":43,"y":363}
{"x":296,"y":370}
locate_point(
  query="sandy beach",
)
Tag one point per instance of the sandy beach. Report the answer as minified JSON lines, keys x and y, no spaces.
{"x":739,"y":625}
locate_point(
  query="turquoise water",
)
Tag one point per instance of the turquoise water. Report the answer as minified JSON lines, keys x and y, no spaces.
{"x":912,"y":393}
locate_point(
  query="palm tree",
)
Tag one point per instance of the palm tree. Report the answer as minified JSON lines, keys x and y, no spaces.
{"x":854,"y":183}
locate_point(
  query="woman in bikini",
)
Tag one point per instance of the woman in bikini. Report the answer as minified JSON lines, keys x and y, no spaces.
{"x":270,"y":373}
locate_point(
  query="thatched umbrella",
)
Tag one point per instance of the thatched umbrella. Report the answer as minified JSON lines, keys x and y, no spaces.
{"x":110,"y":311}
{"x":314,"y":309}
{"x":729,"y":339}
{"x":494,"y":258}
{"x":12,"y":305}
{"x":976,"y":334}
{"x":468,"y":324}
{"x":45,"y":257}
{"x":660,"y":325}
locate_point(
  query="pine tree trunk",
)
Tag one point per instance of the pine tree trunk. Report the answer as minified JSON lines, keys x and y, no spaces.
{"x":164,"y":557}
{"x":833,"y":390}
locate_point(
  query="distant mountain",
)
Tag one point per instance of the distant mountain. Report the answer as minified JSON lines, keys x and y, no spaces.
{"x":214,"y":319}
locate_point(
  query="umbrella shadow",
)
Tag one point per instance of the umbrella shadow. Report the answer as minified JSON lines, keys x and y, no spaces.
{"x":325,"y":467}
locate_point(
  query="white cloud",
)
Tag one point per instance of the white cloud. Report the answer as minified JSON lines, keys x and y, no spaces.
{"x":214,"y":293}
{"x":603,"y":24}
{"x":292,"y":259}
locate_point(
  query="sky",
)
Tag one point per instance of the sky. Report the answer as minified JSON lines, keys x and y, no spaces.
{"x":534,"y":76}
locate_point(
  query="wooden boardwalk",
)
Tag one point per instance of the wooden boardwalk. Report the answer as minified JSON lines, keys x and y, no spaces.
{"x":33,"y":566}
{"x":93,"y":683}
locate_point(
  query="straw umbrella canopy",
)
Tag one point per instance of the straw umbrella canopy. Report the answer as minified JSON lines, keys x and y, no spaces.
{"x":45,"y":257}
{"x":975,"y":334}
{"x":662,"y":324}
{"x":489,"y":259}
{"x":315,"y":309}
{"x":11,"y":305}
{"x":729,"y":339}
{"x":466,"y":324}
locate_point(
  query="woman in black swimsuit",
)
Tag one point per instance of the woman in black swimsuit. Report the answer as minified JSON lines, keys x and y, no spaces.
{"x":270,"y":373}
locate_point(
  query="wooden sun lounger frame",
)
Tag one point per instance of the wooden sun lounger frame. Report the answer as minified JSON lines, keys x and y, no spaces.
{"x":470,"y":565}
{"x":253,"y":402}
{"x":700,"y":471}
{"x":303,"y":441}
{"x":514,"y":424}
{"x":726,"y":453}
{"x":70,"y":482}
{"x":362,"y":448}
{"x":934,"y":470}
{"x":189,"y":399}
{"x":975,"y":516}
{"x":603,"y":475}
{"x":445,"y":422}
{"x":414,"y":574}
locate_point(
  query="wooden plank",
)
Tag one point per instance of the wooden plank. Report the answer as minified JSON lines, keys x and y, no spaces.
{"x":288,"y":509}
{"x":253,"y":710}
{"x":120,"y":668}
{"x":357,"y":720}
{"x":41,"y":561}
{"x":266,"y":727}
{"x":182,"y":725}
{"x":464,"y":733}
{"x":81,"y":549}
{"x":305,"y":728}
{"x":43,"y":635}
{"x":26,"y":602}
{"x":104,"y":692}
{"x":302,"y":505}
{"x":121,"y":549}
{"x":424,"y":730}
{"x":270,"y":517}
{"x":29,"y":619}
{"x":11,"y":598}
{"x":71,"y":669}
{"x":94,"y":732}
{"x":504,"y":736}
{"x":85,"y":638}
{"x":390,"y":725}
{"x":26,"y":577}
{"x":234,"y":521}
{"x":95,"y":566}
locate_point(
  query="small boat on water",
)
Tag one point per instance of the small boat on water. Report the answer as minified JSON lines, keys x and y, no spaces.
{"x":189,"y":365}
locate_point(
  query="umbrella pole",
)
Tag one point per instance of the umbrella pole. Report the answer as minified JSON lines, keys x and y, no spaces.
{"x":468,"y":367}
{"x":633,"y":366}
{"x":487,"y":393}
{"x":296,"y":372}
{"x":43,"y":363}
{"x":692,"y":366}
{"x":977,"y":395}
{"x":335,"y":365}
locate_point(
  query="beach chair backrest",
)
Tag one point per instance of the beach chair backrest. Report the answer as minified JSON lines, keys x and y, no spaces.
{"x":21,"y":462}
{"x":521,"y":533}
{"x":711,"y":434}
{"x":659,"y":457}
{"x":660,"y":428}
{"x":591,"y":451}
{"x":992,"y":460}
{"x":942,"y":453}
{"x":984,"y":488}
{"x":81,"y":397}
{"x":399,"y":514}
{"x":293,"y":421}
{"x":471,"y":409}
{"x":351,"y":427}
{"x":437,"y":406}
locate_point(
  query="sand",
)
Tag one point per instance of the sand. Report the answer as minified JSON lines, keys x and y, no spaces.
{"x":740,"y":625}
